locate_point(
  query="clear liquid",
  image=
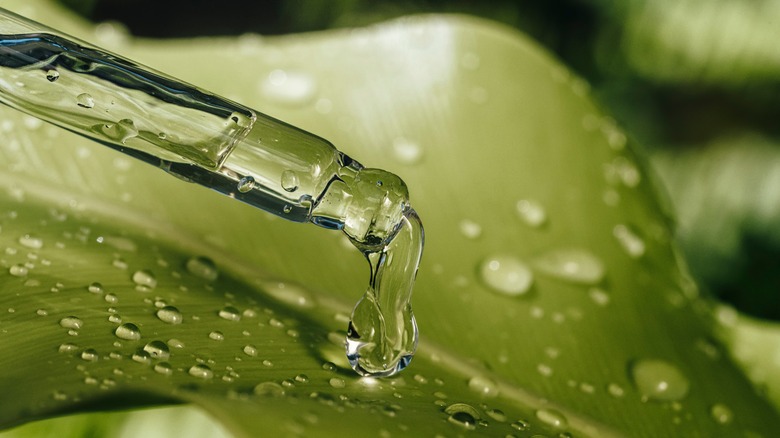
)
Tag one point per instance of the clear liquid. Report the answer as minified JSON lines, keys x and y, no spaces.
{"x":203,"y":138}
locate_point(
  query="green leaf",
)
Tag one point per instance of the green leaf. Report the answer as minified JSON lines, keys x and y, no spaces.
{"x":518,"y":177}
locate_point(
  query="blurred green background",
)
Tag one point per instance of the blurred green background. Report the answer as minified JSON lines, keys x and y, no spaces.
{"x":696,"y":83}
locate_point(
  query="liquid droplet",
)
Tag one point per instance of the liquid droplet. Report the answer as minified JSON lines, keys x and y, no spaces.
{"x":470,"y":229}
{"x":52,"y":75}
{"x":659,"y":380}
{"x":271,"y":389}
{"x":216,"y":336}
{"x":721,"y":414}
{"x":406,"y":151}
{"x":67,"y":348}
{"x":531,"y":212}
{"x":18,"y":270}
{"x":90,"y":355}
{"x":336,"y":382}
{"x":230,"y":313}
{"x":246,"y":184}
{"x":145,"y":279}
{"x":483,"y":386}
{"x":84,"y":100}
{"x":141,"y":357}
{"x":290,"y":181}
{"x":462,"y":415}
{"x":552,"y":418}
{"x":572,"y":265}
{"x":520,"y":425}
{"x":632,"y":244}
{"x":163,"y":368}
{"x":496,"y":414}
{"x":289,"y":87}
{"x":250,"y":350}
{"x":202,"y":267}
{"x":158,"y":350}
{"x":506,"y":274}
{"x":201,"y":371}
{"x":289,"y":293}
{"x":71,"y":322}
{"x":382,"y":332}
{"x":31,"y":241}
{"x":170,"y":315}
{"x":95,"y":288}
{"x":128,"y":331}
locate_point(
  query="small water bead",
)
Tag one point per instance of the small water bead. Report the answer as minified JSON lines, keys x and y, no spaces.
{"x":598,"y":296}
{"x":163,"y":368}
{"x":202,"y":267}
{"x":302,"y":378}
{"x":216,"y":336}
{"x":158,"y":350}
{"x":145,"y":279}
{"x":95,"y":288}
{"x":85,"y":100}
{"x":30,"y":241}
{"x":67,"y":348}
{"x":71,"y":322}
{"x":470,"y":229}
{"x":201,"y":371}
{"x":246,"y":184}
{"x":615,"y":390}
{"x":462,"y":415}
{"x":552,"y":418}
{"x":175,"y":343}
{"x":114,"y":318}
{"x":230,"y":313}
{"x":170,"y":315}
{"x":483,"y":386}
{"x":289,"y":293}
{"x":52,"y":75}
{"x":721,"y":413}
{"x":337,"y":383}
{"x":496,"y":414}
{"x":128,"y":331}
{"x":531,"y":212}
{"x":520,"y":425}
{"x":290,"y":181}
{"x":631,"y":243}
{"x":289,"y":87}
{"x":406,"y":151}
{"x":659,"y":380}
{"x":506,"y":274}
{"x":18,"y":270}
{"x":89,"y":355}
{"x":272,"y":389}
{"x":573,"y":265}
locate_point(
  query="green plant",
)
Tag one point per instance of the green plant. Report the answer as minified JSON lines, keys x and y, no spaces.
{"x":508,"y":160}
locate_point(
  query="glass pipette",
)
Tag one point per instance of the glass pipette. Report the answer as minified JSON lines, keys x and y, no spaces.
{"x":204,"y":138}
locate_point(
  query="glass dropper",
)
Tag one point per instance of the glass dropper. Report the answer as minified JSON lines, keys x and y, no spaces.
{"x":206,"y":139}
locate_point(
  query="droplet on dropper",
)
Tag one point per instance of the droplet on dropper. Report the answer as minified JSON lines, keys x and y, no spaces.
{"x":85,"y":100}
{"x":382,"y":332}
{"x":290,"y":181}
{"x":245,"y":184}
{"x":52,"y":75}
